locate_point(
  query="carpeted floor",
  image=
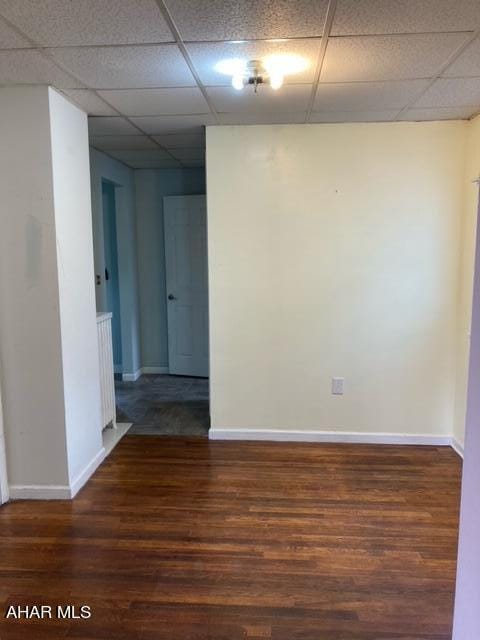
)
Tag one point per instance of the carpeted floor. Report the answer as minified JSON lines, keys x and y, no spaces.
{"x":164,"y":405}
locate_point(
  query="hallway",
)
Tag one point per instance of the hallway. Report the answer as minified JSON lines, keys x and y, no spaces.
{"x":164,"y":405}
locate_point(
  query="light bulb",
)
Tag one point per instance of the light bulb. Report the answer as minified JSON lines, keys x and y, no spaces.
{"x":276,"y":80}
{"x":237,"y":81}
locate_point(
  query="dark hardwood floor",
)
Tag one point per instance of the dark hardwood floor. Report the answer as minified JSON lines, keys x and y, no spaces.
{"x":177,"y":539}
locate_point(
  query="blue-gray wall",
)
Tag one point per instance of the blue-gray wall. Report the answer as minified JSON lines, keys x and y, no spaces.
{"x":102,"y":167}
{"x":150,"y":188}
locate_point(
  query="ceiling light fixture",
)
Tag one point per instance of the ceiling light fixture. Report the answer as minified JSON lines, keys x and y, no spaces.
{"x":271,"y":70}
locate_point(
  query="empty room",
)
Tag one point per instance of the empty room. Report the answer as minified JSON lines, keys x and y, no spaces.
{"x":239,"y":320}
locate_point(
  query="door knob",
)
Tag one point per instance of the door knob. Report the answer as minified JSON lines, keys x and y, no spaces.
{"x":171,"y":296}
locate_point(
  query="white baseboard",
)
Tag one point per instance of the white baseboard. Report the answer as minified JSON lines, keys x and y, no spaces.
{"x":57,"y":492}
{"x":132,"y":377}
{"x":457,"y":447}
{"x":87,"y":472}
{"x":279,"y":435}
{"x":39,"y":492}
{"x":161,"y":370}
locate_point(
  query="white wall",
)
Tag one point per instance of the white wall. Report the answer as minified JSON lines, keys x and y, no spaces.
{"x":333,"y":251}
{"x":30,"y":347}
{"x":104,"y":167}
{"x":465,"y":284}
{"x":73,"y":225}
{"x":48,"y":352}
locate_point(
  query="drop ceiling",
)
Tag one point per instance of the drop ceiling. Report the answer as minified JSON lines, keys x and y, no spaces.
{"x":144,"y":70}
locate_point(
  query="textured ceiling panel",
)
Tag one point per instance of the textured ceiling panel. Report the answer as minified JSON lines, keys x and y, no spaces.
{"x":206,"y":55}
{"x":126,"y":67}
{"x":108,"y":143}
{"x":189,"y":155}
{"x":386,"y":115}
{"x":449,"y":113}
{"x":89,"y":102}
{"x":110,"y":127}
{"x":468,"y":62}
{"x":388,"y":57}
{"x":173,"y":124}
{"x":27,"y":66}
{"x":451,"y":92}
{"x":80,"y":22}
{"x":181,"y":140}
{"x":262,"y":118}
{"x":165,"y":163}
{"x":156,"y":102}
{"x":289,"y":98}
{"x":355,"y":17}
{"x":363,"y":96}
{"x":133,"y":155}
{"x":9,"y":38}
{"x":248,"y":19}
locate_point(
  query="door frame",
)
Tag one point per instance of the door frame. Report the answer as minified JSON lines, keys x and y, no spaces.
{"x":117,"y":193}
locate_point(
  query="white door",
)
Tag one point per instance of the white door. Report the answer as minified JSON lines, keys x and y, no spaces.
{"x":185,"y":220}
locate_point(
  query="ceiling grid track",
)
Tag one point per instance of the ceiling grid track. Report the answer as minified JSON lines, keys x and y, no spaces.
{"x":44,"y":53}
{"x":183,"y":50}
{"x":440,"y":73}
{"x":342,"y":46}
{"x":332,"y":5}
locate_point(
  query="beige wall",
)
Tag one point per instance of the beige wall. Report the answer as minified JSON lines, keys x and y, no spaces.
{"x":465,"y":285}
{"x":334,"y":251}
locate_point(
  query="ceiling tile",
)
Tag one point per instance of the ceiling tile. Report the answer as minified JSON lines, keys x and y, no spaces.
{"x":156,"y":102}
{"x":248,"y":19}
{"x":89,"y":102}
{"x":181,"y":140}
{"x":107,"y":143}
{"x":140,"y":155}
{"x":166,"y":163}
{"x":448,"y":113}
{"x":206,"y":55}
{"x":111,"y":127}
{"x":193,"y":164}
{"x":173,"y":124}
{"x":356,"y":17}
{"x":451,"y":92}
{"x":189,"y":155}
{"x":363,"y":96}
{"x":262,"y":118}
{"x":126,"y":67}
{"x":386,"y":115}
{"x":289,"y":98}
{"x":80,"y":22}
{"x":28,"y":66}
{"x":468,"y":62}
{"x":388,"y":57}
{"x":9,"y":38}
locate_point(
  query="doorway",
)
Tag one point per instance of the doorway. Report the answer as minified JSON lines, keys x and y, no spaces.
{"x":177,"y":402}
{"x":112,"y":284}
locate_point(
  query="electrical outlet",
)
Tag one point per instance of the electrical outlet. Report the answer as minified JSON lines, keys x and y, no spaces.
{"x":337,"y":386}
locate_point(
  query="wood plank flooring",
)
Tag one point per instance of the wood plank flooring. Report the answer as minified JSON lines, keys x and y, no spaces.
{"x":185,"y":539}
